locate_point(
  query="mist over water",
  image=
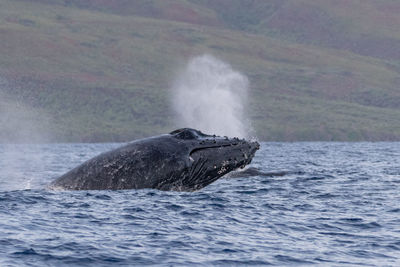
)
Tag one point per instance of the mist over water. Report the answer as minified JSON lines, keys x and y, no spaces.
{"x":20,"y":124}
{"x":209,"y":95}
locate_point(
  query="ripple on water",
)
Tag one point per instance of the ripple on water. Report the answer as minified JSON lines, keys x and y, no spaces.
{"x":335,"y":204}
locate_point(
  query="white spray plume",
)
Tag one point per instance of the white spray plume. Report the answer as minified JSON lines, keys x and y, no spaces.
{"x":20,"y":123}
{"x":211,"y":96}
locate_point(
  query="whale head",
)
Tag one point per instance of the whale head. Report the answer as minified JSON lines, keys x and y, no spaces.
{"x":184,"y":160}
{"x":209,"y":157}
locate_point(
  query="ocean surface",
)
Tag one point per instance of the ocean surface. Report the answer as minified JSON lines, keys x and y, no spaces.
{"x":332,"y":204}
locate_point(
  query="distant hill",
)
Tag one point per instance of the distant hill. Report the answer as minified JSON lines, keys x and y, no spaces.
{"x":101,"y":70}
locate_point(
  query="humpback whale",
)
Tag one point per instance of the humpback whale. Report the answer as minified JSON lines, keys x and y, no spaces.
{"x":183,"y":160}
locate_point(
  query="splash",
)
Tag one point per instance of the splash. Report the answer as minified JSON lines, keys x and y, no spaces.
{"x":211,"y":96}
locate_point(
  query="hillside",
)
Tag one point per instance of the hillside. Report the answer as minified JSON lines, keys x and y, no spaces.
{"x":101,"y":70}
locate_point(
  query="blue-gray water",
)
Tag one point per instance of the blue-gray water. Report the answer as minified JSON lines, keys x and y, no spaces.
{"x":338,"y":204}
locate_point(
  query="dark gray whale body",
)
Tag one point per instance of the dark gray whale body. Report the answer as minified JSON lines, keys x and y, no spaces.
{"x":184,"y":160}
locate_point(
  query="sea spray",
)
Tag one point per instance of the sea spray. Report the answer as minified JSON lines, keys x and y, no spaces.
{"x":211,"y":96}
{"x":20,"y":127}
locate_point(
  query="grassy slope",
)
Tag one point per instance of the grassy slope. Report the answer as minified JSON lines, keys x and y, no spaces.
{"x":101,"y":71}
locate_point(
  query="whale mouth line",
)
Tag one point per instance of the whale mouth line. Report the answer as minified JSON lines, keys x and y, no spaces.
{"x":211,"y":147}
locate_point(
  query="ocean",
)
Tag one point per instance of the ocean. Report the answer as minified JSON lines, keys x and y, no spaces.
{"x":312,"y":203}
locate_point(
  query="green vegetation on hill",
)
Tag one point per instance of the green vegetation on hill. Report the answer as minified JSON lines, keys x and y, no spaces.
{"x":102,"y":70}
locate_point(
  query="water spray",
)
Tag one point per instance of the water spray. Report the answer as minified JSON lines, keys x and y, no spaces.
{"x":211,"y":96}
